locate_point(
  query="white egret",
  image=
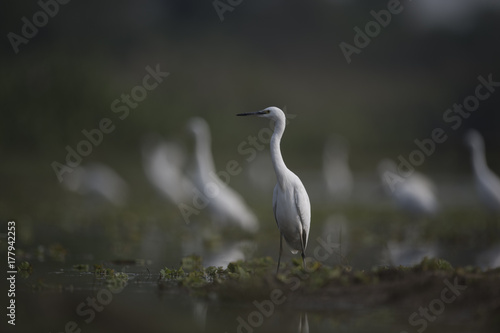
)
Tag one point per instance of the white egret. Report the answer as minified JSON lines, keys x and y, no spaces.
{"x":225,"y":204}
{"x":408,"y":253}
{"x":336,"y":171}
{"x":227,"y":253}
{"x":414,"y":194}
{"x":97,"y":178}
{"x":163,"y":164}
{"x":487,"y":183}
{"x":291,"y":205}
{"x":452,"y":15}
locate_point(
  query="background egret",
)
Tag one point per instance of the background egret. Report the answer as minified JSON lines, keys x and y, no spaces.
{"x":225,"y":204}
{"x":291,"y":206}
{"x":408,"y":252}
{"x":163,"y":164}
{"x":98,"y":179}
{"x":415,"y":194}
{"x":487,"y":183}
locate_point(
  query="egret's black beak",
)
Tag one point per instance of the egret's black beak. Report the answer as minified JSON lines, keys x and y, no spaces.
{"x":251,"y":113}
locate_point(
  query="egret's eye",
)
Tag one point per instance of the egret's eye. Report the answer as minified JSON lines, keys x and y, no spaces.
{"x":267,"y":111}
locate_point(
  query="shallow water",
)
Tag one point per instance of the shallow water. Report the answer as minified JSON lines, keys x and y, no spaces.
{"x":80,"y":300}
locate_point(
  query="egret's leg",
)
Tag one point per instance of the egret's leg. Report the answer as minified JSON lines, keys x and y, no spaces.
{"x":281,"y":249}
{"x":303,"y":253}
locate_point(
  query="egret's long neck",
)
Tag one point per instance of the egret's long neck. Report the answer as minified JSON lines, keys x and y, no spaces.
{"x":278,"y":163}
{"x":479,"y":160}
{"x":204,"y":158}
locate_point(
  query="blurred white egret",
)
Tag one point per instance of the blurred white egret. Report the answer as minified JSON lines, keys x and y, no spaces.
{"x":163,"y":162}
{"x":487,"y":183}
{"x":414,"y":194}
{"x":336,"y":170}
{"x":408,"y":253}
{"x":97,"y":178}
{"x":227,"y":253}
{"x":452,"y":15}
{"x":226,"y":205}
{"x":216,"y":250}
{"x":291,"y":206}
{"x":489,"y":258}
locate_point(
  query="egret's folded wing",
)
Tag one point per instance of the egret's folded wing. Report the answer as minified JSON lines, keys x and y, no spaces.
{"x":304,"y":209}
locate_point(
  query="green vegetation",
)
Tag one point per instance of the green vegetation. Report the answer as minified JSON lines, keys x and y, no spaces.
{"x":24,"y":269}
{"x":113,"y":279}
{"x":256,"y":278}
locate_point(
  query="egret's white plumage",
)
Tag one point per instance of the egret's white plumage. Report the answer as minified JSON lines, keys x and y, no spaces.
{"x":487,"y":183}
{"x":163,"y":162}
{"x":336,"y":171}
{"x":291,"y":206}
{"x":408,"y":253}
{"x":453,"y":15}
{"x":97,"y":178}
{"x":226,"y":205}
{"x":414,"y":194}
